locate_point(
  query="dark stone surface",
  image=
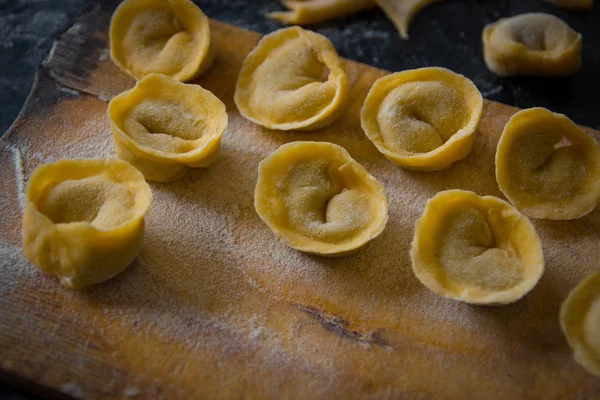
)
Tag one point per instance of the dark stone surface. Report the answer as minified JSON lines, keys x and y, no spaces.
{"x":10,"y":393}
{"x":27,"y":29}
{"x":445,"y":34}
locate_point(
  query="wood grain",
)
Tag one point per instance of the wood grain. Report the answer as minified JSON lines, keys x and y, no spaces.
{"x":227,"y":310}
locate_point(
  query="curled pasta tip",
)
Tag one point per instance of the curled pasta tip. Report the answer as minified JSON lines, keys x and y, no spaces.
{"x":286,"y":17}
{"x":401,"y":12}
{"x":313,"y":11}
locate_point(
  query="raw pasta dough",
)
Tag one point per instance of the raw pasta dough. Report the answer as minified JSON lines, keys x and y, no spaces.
{"x":293,"y":79}
{"x":317,"y":199}
{"x":574,"y":4}
{"x":170,"y":37}
{"x":476,"y":249}
{"x":84,"y":219}
{"x":423,"y":118}
{"x":401,"y":12}
{"x":580,"y":322}
{"x":164,"y":127}
{"x":306,"y":12}
{"x":531,"y":44}
{"x":547,"y":166}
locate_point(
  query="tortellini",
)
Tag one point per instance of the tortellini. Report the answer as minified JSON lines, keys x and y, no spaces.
{"x":475,"y":249}
{"x":84,"y":219}
{"x":292,"y":80}
{"x":580,"y":322}
{"x":306,"y":12}
{"x":547,"y":166}
{"x":401,"y":12}
{"x":574,"y":4}
{"x":317,"y":199}
{"x":531,"y":44}
{"x":424,"y":118}
{"x":170,"y":37}
{"x":164,"y":127}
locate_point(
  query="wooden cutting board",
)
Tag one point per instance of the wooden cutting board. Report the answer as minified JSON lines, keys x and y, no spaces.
{"x":216,"y":307}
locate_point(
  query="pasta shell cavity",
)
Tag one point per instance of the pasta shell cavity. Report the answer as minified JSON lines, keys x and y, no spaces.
{"x":580,"y":322}
{"x":83,"y":219}
{"x":317,"y":199}
{"x":547,"y":166}
{"x":424,"y":118}
{"x":531,"y":44}
{"x":293,"y":79}
{"x":170,"y":37}
{"x":163,"y":127}
{"x":475,"y":249}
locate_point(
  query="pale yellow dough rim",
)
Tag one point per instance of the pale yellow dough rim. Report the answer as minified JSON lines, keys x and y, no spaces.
{"x":204,"y":54}
{"x":298,"y":241}
{"x":43,"y":176}
{"x":331,"y":59}
{"x":427,"y":274}
{"x":121,"y":104}
{"x":580,"y":205}
{"x":457,"y":147}
{"x":515,"y":53}
{"x":573,"y":312}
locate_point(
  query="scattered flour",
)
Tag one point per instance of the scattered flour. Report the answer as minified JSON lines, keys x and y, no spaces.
{"x":206,"y":252}
{"x":19,"y":178}
{"x":72,"y":390}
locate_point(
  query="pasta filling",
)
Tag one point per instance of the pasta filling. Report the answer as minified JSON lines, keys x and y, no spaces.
{"x":419,"y":117}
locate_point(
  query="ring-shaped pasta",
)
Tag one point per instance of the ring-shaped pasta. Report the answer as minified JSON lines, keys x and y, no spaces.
{"x":580,"y":322}
{"x":292,"y":80}
{"x":169,"y":37}
{"x":547,"y":166}
{"x":533,"y":44}
{"x":84,"y":219}
{"x":164,"y":127}
{"x":424,"y":118}
{"x":476,"y":249}
{"x":317,"y":199}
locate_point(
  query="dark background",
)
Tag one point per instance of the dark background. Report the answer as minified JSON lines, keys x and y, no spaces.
{"x":446,"y":34}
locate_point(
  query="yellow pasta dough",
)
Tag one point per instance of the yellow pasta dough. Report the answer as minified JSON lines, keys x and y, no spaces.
{"x":170,"y":37}
{"x":424,"y":118}
{"x":580,"y":322}
{"x":306,"y":12}
{"x":164,"y":127}
{"x":574,"y":4}
{"x":293,"y":79}
{"x":84,"y":219}
{"x":401,"y":12}
{"x":476,"y":249}
{"x":317,"y":199}
{"x":547,"y":166}
{"x":531,"y":44}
